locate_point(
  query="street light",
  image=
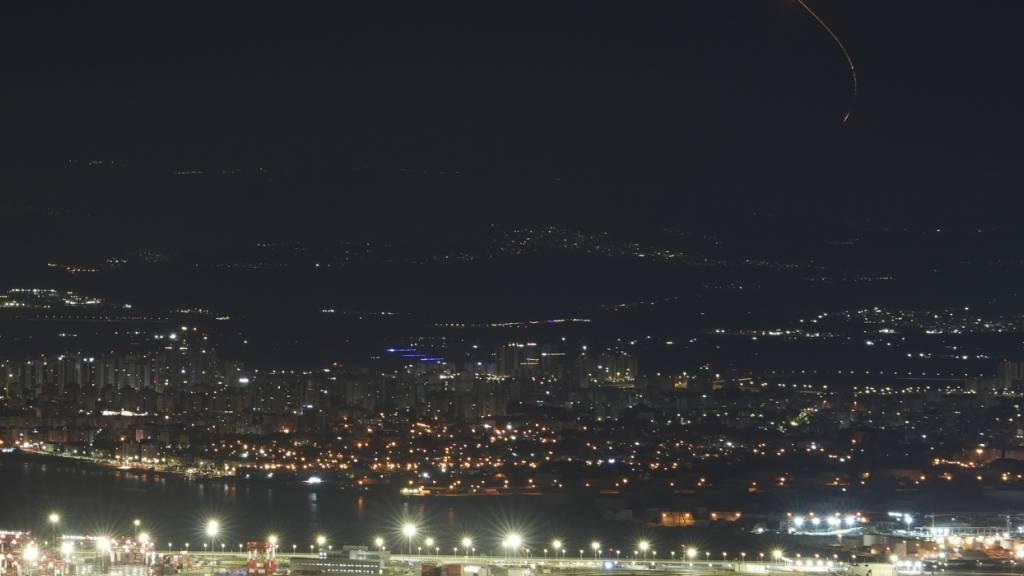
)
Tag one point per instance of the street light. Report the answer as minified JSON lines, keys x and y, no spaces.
{"x":595,"y":546}
{"x":644,"y":545}
{"x":514,"y":542}
{"x":379,"y":543}
{"x":777,"y":554}
{"x":409,"y":530}
{"x":212,"y":529}
{"x":429,"y":543}
{"x":31,"y":552}
{"x":54,"y":518}
{"x":321,"y":540}
{"x":466,"y":543}
{"x":556,"y":545}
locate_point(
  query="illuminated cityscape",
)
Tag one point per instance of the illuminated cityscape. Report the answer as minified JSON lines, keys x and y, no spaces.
{"x":507,"y":288}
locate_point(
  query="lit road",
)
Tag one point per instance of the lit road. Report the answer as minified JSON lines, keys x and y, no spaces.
{"x":567,"y":563}
{"x":586,"y":565}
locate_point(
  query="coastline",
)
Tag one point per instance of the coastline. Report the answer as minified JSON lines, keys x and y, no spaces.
{"x":23,"y":455}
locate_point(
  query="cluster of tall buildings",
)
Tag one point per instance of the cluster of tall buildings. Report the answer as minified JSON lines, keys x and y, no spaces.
{"x":175,"y":361}
{"x":181,"y":371}
{"x":582,"y":370}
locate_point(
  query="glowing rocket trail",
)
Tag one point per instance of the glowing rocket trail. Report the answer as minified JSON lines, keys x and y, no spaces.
{"x":849,"y":61}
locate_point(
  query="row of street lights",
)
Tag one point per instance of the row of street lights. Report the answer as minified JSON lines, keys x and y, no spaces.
{"x":511,"y":544}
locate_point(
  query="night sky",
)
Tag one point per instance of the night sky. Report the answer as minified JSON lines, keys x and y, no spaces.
{"x":385,"y":114}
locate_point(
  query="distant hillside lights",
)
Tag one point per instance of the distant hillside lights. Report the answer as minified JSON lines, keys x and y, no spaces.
{"x":45,"y":298}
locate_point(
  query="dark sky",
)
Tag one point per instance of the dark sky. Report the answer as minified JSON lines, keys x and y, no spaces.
{"x":716,"y":113}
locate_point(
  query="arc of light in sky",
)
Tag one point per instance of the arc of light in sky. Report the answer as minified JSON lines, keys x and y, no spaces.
{"x":849,"y":61}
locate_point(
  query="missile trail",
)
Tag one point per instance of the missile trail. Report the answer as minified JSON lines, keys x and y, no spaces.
{"x":849,"y":61}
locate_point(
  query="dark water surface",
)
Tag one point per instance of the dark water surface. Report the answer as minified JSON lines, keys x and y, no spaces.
{"x":173,"y":509}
